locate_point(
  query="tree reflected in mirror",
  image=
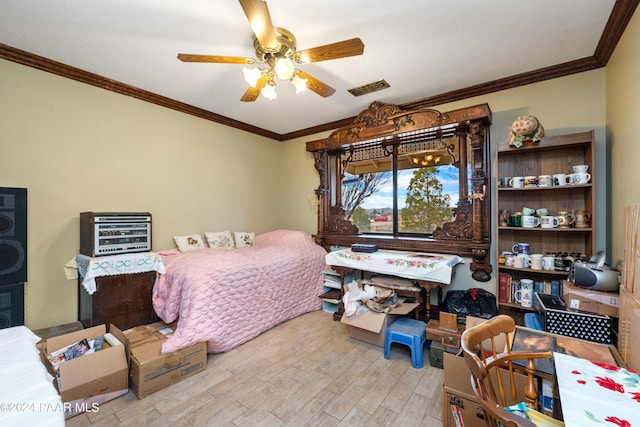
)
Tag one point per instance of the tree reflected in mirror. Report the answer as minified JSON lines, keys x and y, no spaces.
{"x":408,"y":180}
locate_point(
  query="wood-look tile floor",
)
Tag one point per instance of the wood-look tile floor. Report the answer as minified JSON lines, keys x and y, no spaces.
{"x":304,"y":372}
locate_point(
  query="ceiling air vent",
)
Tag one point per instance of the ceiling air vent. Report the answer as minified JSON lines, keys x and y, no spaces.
{"x":368,"y":88}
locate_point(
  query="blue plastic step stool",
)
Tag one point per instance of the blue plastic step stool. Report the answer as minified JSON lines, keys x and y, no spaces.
{"x":410,"y":332}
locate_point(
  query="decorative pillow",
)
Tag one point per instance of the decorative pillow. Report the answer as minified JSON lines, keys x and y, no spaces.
{"x":219,"y":239}
{"x":244,"y":239}
{"x":189,"y":243}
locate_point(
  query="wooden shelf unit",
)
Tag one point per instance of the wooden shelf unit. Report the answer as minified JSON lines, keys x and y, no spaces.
{"x":554,"y":154}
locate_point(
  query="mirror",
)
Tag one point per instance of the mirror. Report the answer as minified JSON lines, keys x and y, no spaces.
{"x":408,"y":180}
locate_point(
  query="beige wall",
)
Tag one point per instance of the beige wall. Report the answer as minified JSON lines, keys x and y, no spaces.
{"x":569,"y":104}
{"x":623,"y":119}
{"x":78,"y":148}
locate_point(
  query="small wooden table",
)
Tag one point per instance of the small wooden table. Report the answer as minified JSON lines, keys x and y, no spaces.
{"x":428,"y":271}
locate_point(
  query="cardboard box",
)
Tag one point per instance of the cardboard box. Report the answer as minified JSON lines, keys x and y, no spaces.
{"x":628,"y":343}
{"x":150,"y":370}
{"x":458,"y":398}
{"x":371,"y":327}
{"x":91,"y":379}
{"x":606,"y":303}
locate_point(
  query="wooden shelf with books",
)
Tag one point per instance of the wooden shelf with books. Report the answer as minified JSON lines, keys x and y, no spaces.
{"x":550,"y":177}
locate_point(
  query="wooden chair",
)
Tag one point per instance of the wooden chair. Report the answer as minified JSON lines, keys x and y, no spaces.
{"x":488,"y":355}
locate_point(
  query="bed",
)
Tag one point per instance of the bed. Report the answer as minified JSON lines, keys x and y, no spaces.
{"x":227,"y":297}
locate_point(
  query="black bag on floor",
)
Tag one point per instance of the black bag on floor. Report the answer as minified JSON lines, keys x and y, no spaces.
{"x":474,"y":302}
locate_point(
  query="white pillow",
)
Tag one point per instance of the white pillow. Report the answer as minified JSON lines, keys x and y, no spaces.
{"x":219,"y":239}
{"x":189,"y":243}
{"x":244,"y":239}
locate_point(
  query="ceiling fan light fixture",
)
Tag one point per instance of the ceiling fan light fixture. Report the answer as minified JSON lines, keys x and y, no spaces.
{"x":284,"y":68}
{"x":251,"y":75}
{"x":269,"y":91}
{"x":299,"y":83}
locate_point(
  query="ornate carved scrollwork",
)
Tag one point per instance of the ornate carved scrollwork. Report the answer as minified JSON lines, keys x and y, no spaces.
{"x":461,"y":228}
{"x":480,"y":267}
{"x":377,"y":114}
{"x":338,"y":224}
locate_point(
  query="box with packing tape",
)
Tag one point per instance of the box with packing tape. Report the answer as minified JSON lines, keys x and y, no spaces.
{"x":90,"y":367}
{"x":150,"y":370}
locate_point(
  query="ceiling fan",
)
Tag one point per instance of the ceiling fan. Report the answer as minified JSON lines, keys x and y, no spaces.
{"x":276,"y":47}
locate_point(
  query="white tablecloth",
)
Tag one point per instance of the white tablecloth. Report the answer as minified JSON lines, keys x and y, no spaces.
{"x":411,"y":265}
{"x":89,"y":268}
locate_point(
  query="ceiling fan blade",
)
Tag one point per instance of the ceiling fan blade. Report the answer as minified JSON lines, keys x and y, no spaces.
{"x":316,"y":85}
{"x":187,"y":57}
{"x":257,"y":12}
{"x":254,"y":91}
{"x":343,"y":49}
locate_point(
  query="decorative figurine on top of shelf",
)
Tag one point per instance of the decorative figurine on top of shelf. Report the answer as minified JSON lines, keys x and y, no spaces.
{"x":525,"y":128}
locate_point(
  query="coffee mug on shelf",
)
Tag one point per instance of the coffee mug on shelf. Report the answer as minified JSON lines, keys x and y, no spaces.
{"x":504,"y":182}
{"x":542,"y":212}
{"x":560,"y":179}
{"x":579,"y":178}
{"x":520,"y":248}
{"x":531,"y":181}
{"x":530,"y":221}
{"x":548,"y":262}
{"x":524,"y":295}
{"x":549,"y":221}
{"x":582,"y":219}
{"x":509,"y":260}
{"x":517,"y":182}
{"x":565,"y":219}
{"x":515,"y":219}
{"x":528,"y":211}
{"x":580,"y":168}
{"x":521,"y":261}
{"x":535,"y":261}
{"x":545,"y":180}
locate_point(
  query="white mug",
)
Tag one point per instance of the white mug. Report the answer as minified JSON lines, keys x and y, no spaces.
{"x":548,"y":263}
{"x":560,"y":179}
{"x":530,"y":221}
{"x":517,"y":182}
{"x":524,"y":295}
{"x":535,"y":260}
{"x":579,"y":177}
{"x":549,"y":221}
{"x":521,"y":261}
{"x":544,"y":181}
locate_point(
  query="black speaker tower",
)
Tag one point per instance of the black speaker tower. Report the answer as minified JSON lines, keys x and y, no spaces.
{"x":13,"y":255}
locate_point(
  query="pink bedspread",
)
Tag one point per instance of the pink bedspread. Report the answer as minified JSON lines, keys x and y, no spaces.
{"x":228,"y":297}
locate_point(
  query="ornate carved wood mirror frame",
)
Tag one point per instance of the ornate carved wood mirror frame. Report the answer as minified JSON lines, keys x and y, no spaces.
{"x":388,"y":127}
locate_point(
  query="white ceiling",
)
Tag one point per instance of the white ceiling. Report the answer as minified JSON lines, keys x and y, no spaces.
{"x":422,"y":48}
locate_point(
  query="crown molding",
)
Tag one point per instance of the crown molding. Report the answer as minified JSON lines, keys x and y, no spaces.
{"x":618,"y":20}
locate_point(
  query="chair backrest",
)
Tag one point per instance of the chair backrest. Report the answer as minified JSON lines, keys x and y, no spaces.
{"x":492,"y":371}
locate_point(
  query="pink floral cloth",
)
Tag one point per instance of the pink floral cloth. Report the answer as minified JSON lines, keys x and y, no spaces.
{"x":595,"y":394}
